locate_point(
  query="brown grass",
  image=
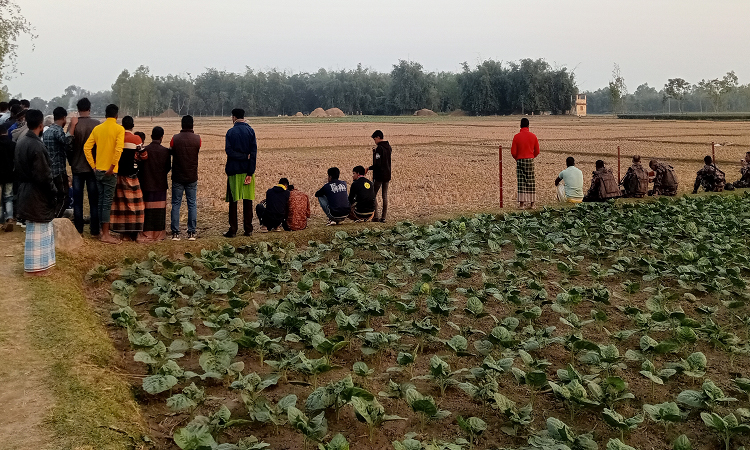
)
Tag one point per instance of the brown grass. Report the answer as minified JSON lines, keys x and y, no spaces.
{"x":442,"y":165}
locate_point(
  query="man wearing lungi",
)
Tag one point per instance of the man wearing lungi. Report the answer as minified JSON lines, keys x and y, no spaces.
{"x":524,"y":149}
{"x":36,"y":197}
{"x":152,"y":174}
{"x":241,"y":149}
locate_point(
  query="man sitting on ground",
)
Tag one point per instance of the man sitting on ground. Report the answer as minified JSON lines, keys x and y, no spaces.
{"x":571,"y":191}
{"x":361,"y":196}
{"x":333,"y":199}
{"x":604,"y":185}
{"x":744,"y":181}
{"x":273,"y":210}
{"x":665,"y":180}
{"x":635,"y":183}
{"x":710,"y":177}
{"x":298,"y":210}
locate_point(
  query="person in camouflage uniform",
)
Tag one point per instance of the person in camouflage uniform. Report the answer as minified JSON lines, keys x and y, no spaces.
{"x":665,"y":181}
{"x":604,"y":185}
{"x":744,"y":181}
{"x":635,"y":183}
{"x":710,"y":177}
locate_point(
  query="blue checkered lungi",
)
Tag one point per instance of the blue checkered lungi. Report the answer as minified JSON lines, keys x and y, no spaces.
{"x":39,"y":251}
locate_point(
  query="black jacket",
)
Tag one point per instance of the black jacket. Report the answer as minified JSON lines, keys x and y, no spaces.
{"x":36,"y":190}
{"x":185,"y":147}
{"x":7,"y":158}
{"x":277,"y":201}
{"x":241,"y":149}
{"x":381,"y":162}
{"x":362,"y":196}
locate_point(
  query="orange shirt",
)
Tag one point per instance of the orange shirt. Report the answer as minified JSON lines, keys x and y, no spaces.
{"x":299,"y":210}
{"x":525,"y":145}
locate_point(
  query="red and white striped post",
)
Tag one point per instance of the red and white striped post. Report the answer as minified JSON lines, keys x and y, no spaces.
{"x":500,"y":179}
{"x":618,"y":163}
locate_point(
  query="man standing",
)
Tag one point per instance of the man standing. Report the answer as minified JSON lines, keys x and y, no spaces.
{"x":152,"y":174}
{"x":19,"y":128}
{"x":381,"y":172}
{"x":298,"y":210}
{"x":524,"y":149}
{"x":571,"y":191}
{"x":710,"y":177}
{"x":7,"y":179}
{"x":83,"y":175}
{"x":185,"y":146}
{"x":604,"y":185}
{"x":109,"y":139}
{"x":635,"y":183}
{"x":744,"y":181}
{"x":36,"y":197}
{"x":272,"y":211}
{"x":242,"y":150}
{"x":665,"y":180}
{"x":58,"y":144}
{"x":333,"y":199}
{"x":361,"y":196}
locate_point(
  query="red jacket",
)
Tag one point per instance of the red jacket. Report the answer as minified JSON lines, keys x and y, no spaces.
{"x":525,"y":145}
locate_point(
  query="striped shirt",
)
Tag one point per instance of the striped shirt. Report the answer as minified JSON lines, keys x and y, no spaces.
{"x":58,"y":143}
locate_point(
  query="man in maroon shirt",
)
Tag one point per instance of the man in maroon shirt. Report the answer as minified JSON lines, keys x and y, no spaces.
{"x":524,"y":149}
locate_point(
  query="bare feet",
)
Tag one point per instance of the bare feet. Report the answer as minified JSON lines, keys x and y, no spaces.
{"x":109,"y":239}
{"x":41,"y":273}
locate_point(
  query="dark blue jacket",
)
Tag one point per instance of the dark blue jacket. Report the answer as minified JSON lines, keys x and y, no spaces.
{"x":240,"y":143}
{"x":338,"y":201}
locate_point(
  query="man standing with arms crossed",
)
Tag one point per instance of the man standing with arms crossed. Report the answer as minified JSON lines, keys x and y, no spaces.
{"x":242,"y":150}
{"x":83,"y":176}
{"x":109,"y":138}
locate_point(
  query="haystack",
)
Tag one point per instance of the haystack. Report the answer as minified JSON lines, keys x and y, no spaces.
{"x":425,"y":112}
{"x":335,"y":112}
{"x":319,"y":112}
{"x":299,"y":114}
{"x":168,"y":113}
{"x":458,"y":113}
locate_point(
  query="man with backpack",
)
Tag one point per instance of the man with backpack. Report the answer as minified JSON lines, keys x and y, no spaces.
{"x":604,"y":185}
{"x":635,"y":183}
{"x":710,"y":177}
{"x":665,"y":180}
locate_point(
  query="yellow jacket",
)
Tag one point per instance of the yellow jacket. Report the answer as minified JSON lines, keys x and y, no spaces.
{"x":109,"y":138}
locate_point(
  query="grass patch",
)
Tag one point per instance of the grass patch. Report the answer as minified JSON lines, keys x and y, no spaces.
{"x":93,"y":405}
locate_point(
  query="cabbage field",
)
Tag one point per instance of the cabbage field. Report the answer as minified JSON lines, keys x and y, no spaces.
{"x":611,"y":326}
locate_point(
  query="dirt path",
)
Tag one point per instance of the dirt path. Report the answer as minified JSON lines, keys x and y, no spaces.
{"x":24,"y":398}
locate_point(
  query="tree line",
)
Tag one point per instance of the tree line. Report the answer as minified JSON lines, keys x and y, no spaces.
{"x":715,"y":95}
{"x":491,"y":87}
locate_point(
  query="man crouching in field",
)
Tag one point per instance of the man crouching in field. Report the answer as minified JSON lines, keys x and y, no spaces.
{"x":333,"y":199}
{"x":242,"y":150}
{"x":744,"y":181}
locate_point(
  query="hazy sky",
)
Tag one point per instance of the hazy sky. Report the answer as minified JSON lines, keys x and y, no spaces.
{"x":88,"y":43}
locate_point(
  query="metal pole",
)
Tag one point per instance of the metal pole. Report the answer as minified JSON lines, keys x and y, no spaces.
{"x":713,"y":151}
{"x":500,"y":180}
{"x":618,"y":163}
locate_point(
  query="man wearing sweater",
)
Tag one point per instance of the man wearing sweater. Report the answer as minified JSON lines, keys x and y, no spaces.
{"x":241,"y":149}
{"x":333,"y":199}
{"x":185,"y":146}
{"x":83,"y":176}
{"x":524,"y":149}
{"x":381,"y":172}
{"x":361,"y":196}
{"x":109,"y":139}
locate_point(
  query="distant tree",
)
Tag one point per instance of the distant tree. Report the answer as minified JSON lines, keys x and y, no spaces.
{"x":717,"y":89}
{"x":410,"y":87}
{"x":12,"y":25}
{"x":617,"y":89}
{"x":677,"y":88}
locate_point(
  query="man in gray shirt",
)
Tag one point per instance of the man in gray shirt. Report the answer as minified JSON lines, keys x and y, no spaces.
{"x":83,"y":174}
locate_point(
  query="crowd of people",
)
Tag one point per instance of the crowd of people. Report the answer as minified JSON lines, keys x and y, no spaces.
{"x":604,"y":185}
{"x":126,"y":181}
